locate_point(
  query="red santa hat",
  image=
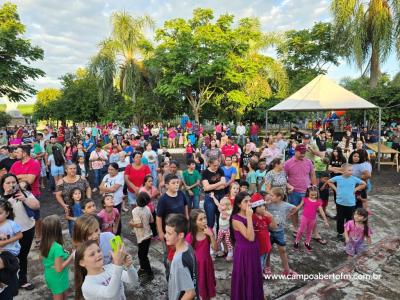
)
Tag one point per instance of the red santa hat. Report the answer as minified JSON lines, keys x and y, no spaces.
{"x":257,"y":200}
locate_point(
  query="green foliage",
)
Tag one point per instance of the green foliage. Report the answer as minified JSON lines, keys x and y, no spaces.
{"x":385,"y":95}
{"x":44,"y":108}
{"x":16,"y":53}
{"x":368,"y":30}
{"x":205,"y":62}
{"x":309,"y":52}
{"x":26,"y":109}
{"x":127,"y":41}
{"x":3,"y":107}
{"x":5,"y":119}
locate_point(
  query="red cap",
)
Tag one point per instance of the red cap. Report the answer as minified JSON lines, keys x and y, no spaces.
{"x":301,"y":148}
{"x":257,"y":200}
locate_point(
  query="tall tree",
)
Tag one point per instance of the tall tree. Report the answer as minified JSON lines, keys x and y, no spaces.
{"x":205,"y":61}
{"x":307,"y":53}
{"x":16,"y":54}
{"x":44,"y":105}
{"x":368,"y":29}
{"x":119,"y":61}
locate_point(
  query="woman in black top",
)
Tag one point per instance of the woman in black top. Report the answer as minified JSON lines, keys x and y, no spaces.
{"x":336,"y":160}
{"x":213,"y":180}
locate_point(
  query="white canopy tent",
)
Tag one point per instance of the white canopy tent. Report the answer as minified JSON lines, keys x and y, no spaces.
{"x":323,"y":94}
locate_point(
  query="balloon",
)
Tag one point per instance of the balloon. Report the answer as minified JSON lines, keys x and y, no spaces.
{"x":340,"y":113}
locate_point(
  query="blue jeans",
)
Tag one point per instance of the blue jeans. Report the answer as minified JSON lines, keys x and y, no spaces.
{"x":211,"y":210}
{"x":254,"y":139}
{"x":263,"y":258}
{"x":106,"y":139}
{"x":241,"y":138}
{"x":193,"y":201}
{"x":97,"y":177}
{"x":295,"y":198}
{"x":131,"y":198}
{"x":153,"y":170}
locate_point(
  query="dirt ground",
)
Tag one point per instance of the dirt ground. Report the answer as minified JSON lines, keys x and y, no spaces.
{"x":384,"y":203}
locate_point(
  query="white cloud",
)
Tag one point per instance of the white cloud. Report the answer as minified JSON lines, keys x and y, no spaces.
{"x":69,"y":31}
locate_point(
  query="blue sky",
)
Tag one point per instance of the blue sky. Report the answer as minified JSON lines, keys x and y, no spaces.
{"x":69,"y":30}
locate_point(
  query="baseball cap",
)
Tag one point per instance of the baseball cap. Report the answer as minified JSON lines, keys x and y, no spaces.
{"x":306,"y":137}
{"x":301,"y":148}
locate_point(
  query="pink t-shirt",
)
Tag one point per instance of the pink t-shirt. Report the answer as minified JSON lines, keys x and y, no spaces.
{"x":299,"y":173}
{"x":31,"y":167}
{"x":107,"y":220}
{"x":356,"y":233}
{"x":310,"y":208}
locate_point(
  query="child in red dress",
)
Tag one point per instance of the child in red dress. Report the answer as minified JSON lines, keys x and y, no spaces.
{"x":262,"y":221}
{"x":201,"y":238}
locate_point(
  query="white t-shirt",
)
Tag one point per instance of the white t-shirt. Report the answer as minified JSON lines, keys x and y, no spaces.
{"x":21,"y":217}
{"x":151,"y":156}
{"x":108,"y":284}
{"x":142,"y":215}
{"x":110,"y":181}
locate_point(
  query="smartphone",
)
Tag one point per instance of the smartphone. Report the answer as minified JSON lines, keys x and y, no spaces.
{"x":115,"y":243}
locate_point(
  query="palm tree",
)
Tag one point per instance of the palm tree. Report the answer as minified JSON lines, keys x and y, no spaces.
{"x":119,"y":60}
{"x":369,"y":29}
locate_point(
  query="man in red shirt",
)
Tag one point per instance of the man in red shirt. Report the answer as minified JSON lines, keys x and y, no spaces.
{"x":230,"y":149}
{"x":28,"y":169}
{"x":254,"y":130}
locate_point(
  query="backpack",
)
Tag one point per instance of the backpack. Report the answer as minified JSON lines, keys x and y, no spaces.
{"x":189,"y":261}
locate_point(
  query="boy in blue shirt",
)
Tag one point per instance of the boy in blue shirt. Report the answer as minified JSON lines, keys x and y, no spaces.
{"x":347,"y":186}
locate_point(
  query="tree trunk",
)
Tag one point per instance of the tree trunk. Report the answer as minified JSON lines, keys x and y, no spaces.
{"x":196,"y":113}
{"x":374,"y":69}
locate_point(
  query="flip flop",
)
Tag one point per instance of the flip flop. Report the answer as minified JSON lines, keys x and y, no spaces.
{"x":320,"y":240}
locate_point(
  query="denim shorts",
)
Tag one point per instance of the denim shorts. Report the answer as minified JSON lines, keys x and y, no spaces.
{"x":295,"y":198}
{"x":131,"y":198}
{"x":278,"y":237}
{"x":57,"y":171}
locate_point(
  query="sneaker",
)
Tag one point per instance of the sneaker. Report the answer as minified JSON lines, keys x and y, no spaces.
{"x":229,"y":257}
{"x":94,"y":190}
{"x":308,"y":247}
{"x":340,"y":237}
{"x":2,"y":287}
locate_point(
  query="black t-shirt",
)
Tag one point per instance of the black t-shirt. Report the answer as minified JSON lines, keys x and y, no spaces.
{"x":213,"y":178}
{"x":321,"y":144}
{"x":323,"y":194}
{"x":7,"y":164}
{"x":245,"y":158}
{"x":171,"y":205}
{"x":336,"y":163}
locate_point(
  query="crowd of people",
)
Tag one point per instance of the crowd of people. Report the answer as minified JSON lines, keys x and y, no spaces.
{"x":235,"y":198}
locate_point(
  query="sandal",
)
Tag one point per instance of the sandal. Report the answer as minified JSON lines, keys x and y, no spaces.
{"x":36,"y":244}
{"x":320,"y":240}
{"x":27,"y":286}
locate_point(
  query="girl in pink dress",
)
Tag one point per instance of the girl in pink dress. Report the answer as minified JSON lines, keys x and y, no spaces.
{"x":356,"y":232}
{"x":201,"y":238}
{"x":311,"y":204}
